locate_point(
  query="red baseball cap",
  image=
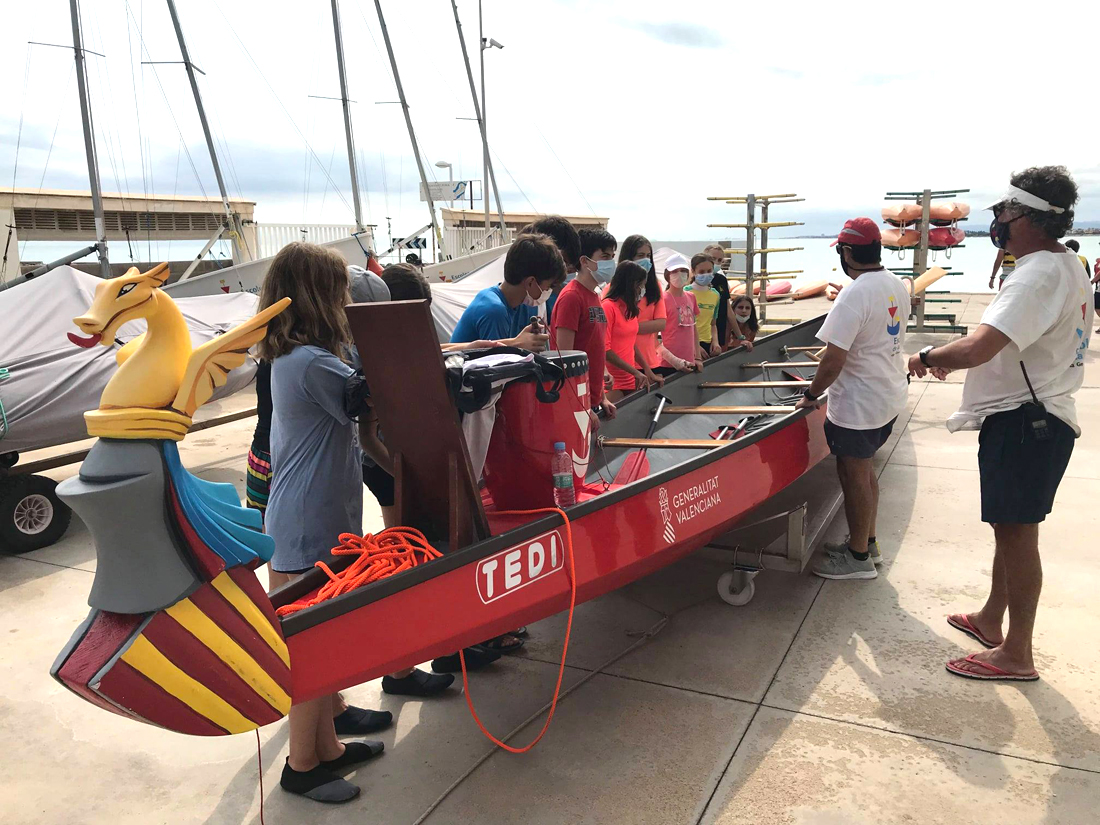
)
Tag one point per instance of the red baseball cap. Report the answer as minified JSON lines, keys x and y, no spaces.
{"x":858,"y":232}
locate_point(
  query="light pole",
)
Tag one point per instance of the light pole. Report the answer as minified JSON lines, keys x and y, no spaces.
{"x":442,"y":164}
{"x":485,"y":44}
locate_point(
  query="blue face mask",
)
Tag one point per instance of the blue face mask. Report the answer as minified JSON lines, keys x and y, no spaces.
{"x":704,"y":279}
{"x":604,"y":271}
{"x":645,"y":264}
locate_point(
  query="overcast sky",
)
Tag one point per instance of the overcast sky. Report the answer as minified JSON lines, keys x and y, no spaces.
{"x":631,"y":109}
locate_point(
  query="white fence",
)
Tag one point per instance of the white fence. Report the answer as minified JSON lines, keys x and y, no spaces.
{"x":466,"y":240}
{"x":271,"y":237}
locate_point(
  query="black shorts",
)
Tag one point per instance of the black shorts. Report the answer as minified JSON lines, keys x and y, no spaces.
{"x":1096,"y":300}
{"x":380,"y":484}
{"x":1020,"y":474}
{"x":665,"y":372}
{"x":847,"y":443}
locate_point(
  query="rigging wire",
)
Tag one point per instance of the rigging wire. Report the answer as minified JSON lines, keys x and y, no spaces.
{"x":15,"y":167}
{"x":49,"y":153}
{"x":278,"y":100}
{"x":563,"y":166}
{"x":137,"y":112}
{"x":507,"y":171}
{"x":175,"y":188}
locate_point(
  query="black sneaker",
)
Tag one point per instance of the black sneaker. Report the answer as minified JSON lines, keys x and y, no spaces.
{"x":318,"y":784}
{"x":418,"y":683}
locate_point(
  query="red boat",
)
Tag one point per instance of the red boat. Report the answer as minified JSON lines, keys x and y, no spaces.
{"x":724,"y":441}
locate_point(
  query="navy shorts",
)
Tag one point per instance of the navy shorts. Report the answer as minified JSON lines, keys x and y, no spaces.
{"x":380,"y":484}
{"x":1096,"y":300}
{"x":1019,"y":474}
{"x":848,"y":443}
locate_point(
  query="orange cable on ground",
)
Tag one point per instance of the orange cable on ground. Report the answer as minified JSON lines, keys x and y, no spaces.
{"x":565,"y":646}
{"x":394,"y":550}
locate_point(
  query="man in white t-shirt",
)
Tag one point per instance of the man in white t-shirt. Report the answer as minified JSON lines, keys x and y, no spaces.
{"x":1025,"y":361}
{"x":864,"y":371}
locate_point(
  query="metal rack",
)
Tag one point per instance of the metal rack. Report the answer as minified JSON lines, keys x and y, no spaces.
{"x":920,"y":259}
{"x":751,"y":225}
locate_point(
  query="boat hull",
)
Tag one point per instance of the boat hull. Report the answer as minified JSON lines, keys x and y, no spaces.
{"x":638,"y":530}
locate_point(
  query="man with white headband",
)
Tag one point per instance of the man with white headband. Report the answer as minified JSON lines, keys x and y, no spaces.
{"x":1025,"y":361}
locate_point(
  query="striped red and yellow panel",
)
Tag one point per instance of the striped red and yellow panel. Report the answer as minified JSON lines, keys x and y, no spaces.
{"x":212,"y":664}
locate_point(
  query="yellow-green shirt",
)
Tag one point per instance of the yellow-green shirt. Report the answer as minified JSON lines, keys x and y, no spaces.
{"x":708,"y":300}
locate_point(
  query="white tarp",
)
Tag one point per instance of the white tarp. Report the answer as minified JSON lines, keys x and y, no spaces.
{"x":52,"y":382}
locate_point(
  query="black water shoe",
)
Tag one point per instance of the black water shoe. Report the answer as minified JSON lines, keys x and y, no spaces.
{"x":476,"y":658}
{"x":360,"y":721}
{"x":354,"y":753}
{"x":418,"y":683}
{"x":318,"y":784}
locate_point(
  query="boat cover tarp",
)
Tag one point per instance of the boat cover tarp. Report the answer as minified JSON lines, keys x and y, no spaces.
{"x":52,"y":382}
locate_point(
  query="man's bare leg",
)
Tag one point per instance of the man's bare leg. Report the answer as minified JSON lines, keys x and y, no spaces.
{"x":872,"y":530}
{"x":855,"y":480}
{"x":989,"y":621}
{"x":1018,"y":546}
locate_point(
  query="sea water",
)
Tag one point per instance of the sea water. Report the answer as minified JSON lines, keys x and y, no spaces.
{"x":973,"y":260}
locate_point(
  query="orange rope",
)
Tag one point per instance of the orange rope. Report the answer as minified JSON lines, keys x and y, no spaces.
{"x":392,"y":551}
{"x":564,"y":648}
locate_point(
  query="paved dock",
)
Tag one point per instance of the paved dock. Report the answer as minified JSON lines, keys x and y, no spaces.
{"x":818,"y":702}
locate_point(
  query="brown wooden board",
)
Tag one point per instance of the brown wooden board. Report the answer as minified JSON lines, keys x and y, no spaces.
{"x":435,"y":489}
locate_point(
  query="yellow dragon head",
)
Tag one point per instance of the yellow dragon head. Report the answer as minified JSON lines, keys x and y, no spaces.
{"x":122,"y":299}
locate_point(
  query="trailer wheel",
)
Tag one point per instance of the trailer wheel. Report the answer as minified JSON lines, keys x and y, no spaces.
{"x":736,"y":587}
{"x":31,"y":514}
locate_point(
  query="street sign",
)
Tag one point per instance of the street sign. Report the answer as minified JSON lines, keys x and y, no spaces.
{"x":411,"y":243}
{"x":445,"y":190}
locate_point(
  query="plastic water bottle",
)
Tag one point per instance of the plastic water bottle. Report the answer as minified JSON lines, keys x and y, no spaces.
{"x":562,"y":468}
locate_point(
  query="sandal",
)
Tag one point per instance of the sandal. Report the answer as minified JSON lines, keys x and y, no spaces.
{"x":992,"y":672}
{"x":960,"y":621}
{"x":505,"y":643}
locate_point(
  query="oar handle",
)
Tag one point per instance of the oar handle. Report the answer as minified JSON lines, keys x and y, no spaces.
{"x":661,"y":401}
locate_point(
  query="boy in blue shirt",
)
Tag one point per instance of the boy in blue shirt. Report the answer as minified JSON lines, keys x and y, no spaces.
{"x":503,"y":313}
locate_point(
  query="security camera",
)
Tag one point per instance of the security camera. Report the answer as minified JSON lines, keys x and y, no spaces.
{"x":493,"y":44}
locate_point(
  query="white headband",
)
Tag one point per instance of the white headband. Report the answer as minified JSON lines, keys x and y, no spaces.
{"x":1025,"y":198}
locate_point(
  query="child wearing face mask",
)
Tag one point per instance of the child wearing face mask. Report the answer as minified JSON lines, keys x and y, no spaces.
{"x":579,"y":322}
{"x":709,"y":301}
{"x":625,"y":360}
{"x":504,"y":313}
{"x":679,"y":347}
{"x":745,"y":324}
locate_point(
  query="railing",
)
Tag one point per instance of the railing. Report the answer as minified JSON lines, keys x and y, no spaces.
{"x":271,"y":237}
{"x":467,"y":240}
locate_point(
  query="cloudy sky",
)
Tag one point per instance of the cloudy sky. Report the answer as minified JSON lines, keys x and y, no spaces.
{"x":632,"y":109}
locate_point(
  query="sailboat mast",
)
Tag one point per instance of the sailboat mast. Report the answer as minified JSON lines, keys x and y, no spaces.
{"x":89,"y":143}
{"x":347,"y":116}
{"x":412,"y":134}
{"x":480,"y":123}
{"x":234,"y":220}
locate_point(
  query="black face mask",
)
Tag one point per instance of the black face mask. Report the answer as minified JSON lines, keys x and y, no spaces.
{"x":843,"y":263}
{"x":999,"y":231}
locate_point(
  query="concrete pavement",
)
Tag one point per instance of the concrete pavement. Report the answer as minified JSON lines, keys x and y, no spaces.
{"x":818,"y":702}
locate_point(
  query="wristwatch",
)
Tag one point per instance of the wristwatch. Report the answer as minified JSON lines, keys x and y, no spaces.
{"x":809,"y":396}
{"x":924,"y":355}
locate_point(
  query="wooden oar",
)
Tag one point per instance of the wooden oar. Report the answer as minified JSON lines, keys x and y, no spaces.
{"x":636,"y":465}
{"x":716,"y":410}
{"x":662,"y":443}
{"x":732,"y":385}
{"x":779,"y":365}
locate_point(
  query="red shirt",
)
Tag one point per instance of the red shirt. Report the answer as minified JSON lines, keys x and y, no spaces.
{"x":578,"y":308}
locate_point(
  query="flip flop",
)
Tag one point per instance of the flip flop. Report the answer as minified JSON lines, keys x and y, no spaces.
{"x":960,"y":621}
{"x":994,"y":674}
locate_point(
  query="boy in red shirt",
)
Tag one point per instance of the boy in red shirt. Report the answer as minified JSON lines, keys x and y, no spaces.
{"x":578,"y":322}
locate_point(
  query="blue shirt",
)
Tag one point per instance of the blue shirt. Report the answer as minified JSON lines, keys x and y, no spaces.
{"x":489,"y":318}
{"x":317,"y":483}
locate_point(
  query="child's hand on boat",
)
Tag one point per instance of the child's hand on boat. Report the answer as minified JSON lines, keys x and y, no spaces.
{"x":651,"y":379}
{"x":697,"y":366}
{"x":747,"y":345}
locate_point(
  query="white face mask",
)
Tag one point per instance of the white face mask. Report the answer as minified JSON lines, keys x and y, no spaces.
{"x":742,"y":318}
{"x":544,"y":296}
{"x":678,"y":279}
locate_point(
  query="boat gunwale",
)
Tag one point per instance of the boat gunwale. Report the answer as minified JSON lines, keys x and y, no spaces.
{"x":312,"y":616}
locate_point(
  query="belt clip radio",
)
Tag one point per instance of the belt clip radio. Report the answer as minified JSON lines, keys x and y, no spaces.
{"x":1035,"y":414}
